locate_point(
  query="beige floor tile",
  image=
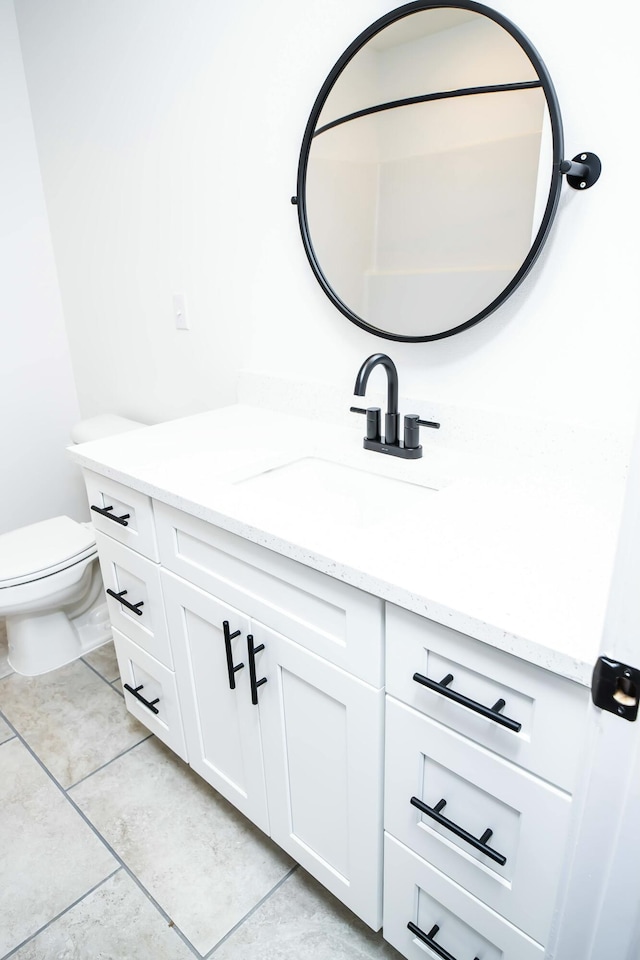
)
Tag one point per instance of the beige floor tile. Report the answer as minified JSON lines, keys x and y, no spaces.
{"x":104,"y":660}
{"x":302,"y":920}
{"x":5,"y":669}
{"x":114,"y":921}
{"x":70,"y":718}
{"x":202,"y":861}
{"x":49,"y":856}
{"x":5,"y":731}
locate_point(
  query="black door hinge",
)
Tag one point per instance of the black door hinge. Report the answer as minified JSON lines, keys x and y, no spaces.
{"x":616,"y":687}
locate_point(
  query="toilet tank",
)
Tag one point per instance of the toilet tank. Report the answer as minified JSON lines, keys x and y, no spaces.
{"x":104,"y":425}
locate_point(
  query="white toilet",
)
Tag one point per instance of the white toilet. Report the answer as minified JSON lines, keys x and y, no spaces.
{"x":50,"y":584}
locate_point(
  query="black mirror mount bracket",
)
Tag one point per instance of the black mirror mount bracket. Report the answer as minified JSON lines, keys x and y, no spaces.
{"x":583,"y":171}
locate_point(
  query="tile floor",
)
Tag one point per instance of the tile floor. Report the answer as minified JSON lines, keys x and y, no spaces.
{"x":111,"y":848}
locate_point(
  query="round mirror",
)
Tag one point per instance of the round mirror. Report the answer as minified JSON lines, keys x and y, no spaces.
{"x":430,"y":170}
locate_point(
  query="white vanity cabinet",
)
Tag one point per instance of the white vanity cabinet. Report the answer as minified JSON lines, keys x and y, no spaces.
{"x":307,"y":703}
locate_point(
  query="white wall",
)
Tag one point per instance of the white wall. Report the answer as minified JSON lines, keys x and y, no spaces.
{"x":145,"y":152}
{"x":37,"y":393}
{"x":169,"y":135}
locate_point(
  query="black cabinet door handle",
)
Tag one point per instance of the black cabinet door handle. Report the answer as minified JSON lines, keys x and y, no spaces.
{"x":252,"y":668}
{"x":491,"y":713}
{"x":231,"y":669}
{"x":151,"y":704}
{"x":428,"y":938}
{"x":481,"y":844}
{"x":105,"y":512}
{"x":134,"y":607}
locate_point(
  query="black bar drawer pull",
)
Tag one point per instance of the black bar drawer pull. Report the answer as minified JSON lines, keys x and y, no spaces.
{"x":105,"y":512}
{"x":231,"y":669}
{"x":135,"y":607}
{"x":430,"y":942}
{"x":252,"y":668}
{"x":481,"y":844}
{"x":151,"y":704}
{"x":491,"y":713}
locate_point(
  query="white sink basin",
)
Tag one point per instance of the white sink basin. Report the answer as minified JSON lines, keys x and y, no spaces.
{"x":344,"y":494}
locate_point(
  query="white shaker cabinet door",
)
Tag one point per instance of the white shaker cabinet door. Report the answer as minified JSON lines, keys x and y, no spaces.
{"x":222,"y":727}
{"x":322,"y":734}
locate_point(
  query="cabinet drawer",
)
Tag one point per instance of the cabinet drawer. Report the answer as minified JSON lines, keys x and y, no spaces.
{"x":330,"y":618}
{"x":137,"y":581}
{"x":550,"y":710}
{"x":417,"y":893}
{"x":528,"y":819}
{"x":116,"y":500}
{"x":154,"y":684}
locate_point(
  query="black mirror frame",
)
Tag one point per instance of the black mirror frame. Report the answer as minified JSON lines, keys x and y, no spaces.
{"x":556,"y":174}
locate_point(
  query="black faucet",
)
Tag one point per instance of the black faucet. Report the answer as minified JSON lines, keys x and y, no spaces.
{"x":392,"y":416}
{"x":410,"y":449}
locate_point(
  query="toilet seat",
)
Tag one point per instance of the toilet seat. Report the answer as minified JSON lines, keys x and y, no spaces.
{"x":42,"y":549}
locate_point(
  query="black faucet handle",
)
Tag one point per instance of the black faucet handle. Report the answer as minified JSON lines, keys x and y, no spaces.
{"x":412,"y":424}
{"x":373,"y":421}
{"x":414,"y":419}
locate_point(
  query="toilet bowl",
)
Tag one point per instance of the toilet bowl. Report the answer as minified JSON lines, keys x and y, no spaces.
{"x":51,"y":592}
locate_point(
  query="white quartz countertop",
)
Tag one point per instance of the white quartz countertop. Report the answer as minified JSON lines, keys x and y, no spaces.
{"x":514,"y":556}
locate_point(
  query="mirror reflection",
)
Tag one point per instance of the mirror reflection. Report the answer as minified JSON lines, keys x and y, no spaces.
{"x":425,"y":194}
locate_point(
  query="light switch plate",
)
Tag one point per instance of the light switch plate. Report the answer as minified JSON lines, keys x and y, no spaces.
{"x":180,"y":311}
